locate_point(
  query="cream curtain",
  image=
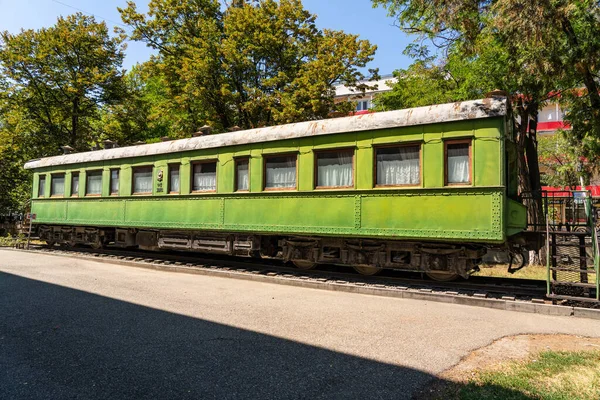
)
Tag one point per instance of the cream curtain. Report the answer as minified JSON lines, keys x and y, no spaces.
{"x":57,"y":187}
{"x":243,"y":182}
{"x":398,"y":166}
{"x":142,"y":181}
{"x":281,"y":172}
{"x":458,"y":163}
{"x":174,"y":179}
{"x":205,"y":177}
{"x":114,"y":181}
{"x":42,"y":186}
{"x":334,"y":169}
{"x":75,"y":184}
{"x":94,"y":183}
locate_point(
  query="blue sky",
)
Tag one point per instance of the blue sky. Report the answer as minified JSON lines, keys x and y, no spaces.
{"x":352,"y":16}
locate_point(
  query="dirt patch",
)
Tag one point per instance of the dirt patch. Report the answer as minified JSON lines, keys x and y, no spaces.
{"x":497,"y":354}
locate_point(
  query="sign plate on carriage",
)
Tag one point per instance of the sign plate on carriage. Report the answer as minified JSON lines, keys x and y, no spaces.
{"x":31,"y":216}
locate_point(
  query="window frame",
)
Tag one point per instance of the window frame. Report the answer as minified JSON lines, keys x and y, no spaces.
{"x":110,"y":181}
{"x":199,"y":162}
{"x":78,"y":175}
{"x":316,"y":153}
{"x":264,"y":177}
{"x":87,"y":175}
{"x":398,"y":145}
{"x":133,"y":171}
{"x":468,"y":141}
{"x":170,"y":167}
{"x":57,"y":174}
{"x":43,"y":192}
{"x":236,"y":161}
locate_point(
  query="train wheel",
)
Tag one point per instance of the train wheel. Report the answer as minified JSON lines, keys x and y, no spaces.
{"x":98,"y":244}
{"x":368,"y":271}
{"x":50,"y":244}
{"x":442,"y":276}
{"x":303,"y":264}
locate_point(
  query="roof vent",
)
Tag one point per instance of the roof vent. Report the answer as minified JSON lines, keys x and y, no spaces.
{"x":139,"y":143}
{"x":234,"y":129}
{"x":165,"y":139}
{"x":109,"y":144}
{"x":67,"y":149}
{"x":205,"y":130}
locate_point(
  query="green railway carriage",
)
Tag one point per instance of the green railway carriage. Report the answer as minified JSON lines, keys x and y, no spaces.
{"x":428,"y":189}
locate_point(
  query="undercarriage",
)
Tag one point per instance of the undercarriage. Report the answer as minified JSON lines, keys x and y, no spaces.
{"x":440,"y":261}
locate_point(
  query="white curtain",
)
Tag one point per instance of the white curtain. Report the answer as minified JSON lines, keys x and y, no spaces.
{"x":205,"y":177}
{"x":334,"y":169}
{"x":142,"y":181}
{"x":75,"y":185}
{"x":42,"y":186}
{"x":174,"y":179}
{"x":114,"y":181}
{"x":242,"y":176}
{"x":398,"y":166}
{"x":281,"y":172}
{"x":57,"y":185}
{"x":458,"y":164}
{"x":94,"y":183}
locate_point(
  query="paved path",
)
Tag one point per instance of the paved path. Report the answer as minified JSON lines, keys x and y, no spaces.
{"x":80,"y":329}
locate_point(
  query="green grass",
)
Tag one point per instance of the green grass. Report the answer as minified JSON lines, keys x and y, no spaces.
{"x":549,"y":376}
{"x":501,"y":271}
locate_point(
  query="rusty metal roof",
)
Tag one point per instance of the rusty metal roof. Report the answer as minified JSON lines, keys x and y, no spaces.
{"x":465,"y":110}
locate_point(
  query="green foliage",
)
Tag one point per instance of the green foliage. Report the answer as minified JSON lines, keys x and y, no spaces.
{"x":561,"y":162}
{"x":251,"y":64}
{"x":60,"y":77}
{"x":533,"y":49}
{"x":10,"y":241}
{"x":55,"y":84}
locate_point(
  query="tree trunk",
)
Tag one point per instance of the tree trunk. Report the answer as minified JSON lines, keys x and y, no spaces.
{"x":529,"y":173}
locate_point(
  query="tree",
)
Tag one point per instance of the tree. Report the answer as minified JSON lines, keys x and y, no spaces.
{"x":248,"y":63}
{"x":53,"y":84}
{"x":532,"y":49}
{"x":561,"y":163}
{"x":548,"y":47}
{"x":60,"y":77}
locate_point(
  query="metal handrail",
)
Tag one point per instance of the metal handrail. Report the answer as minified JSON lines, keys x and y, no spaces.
{"x":595,"y":246}
{"x":547,"y":255}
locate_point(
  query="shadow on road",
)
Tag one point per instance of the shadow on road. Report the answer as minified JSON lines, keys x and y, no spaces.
{"x":57,"y":343}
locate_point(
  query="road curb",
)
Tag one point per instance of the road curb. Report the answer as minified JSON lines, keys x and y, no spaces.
{"x":341,"y":286}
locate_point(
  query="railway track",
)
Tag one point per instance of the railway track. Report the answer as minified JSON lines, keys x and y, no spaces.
{"x":503,"y":293}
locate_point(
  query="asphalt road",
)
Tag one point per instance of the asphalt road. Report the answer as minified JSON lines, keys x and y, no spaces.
{"x":88,"y":330}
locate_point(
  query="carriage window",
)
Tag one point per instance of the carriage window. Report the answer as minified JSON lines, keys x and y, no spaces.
{"x":396,"y":166}
{"x":280,"y":172}
{"x":57,"y":185}
{"x":458,"y":162}
{"x":242,"y":182}
{"x":142,"y":180}
{"x":204,"y":178}
{"x":114,"y":181}
{"x":174,"y":178}
{"x":334,"y":169}
{"x":42,"y":186}
{"x":75,"y":184}
{"x":93,"y":184}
